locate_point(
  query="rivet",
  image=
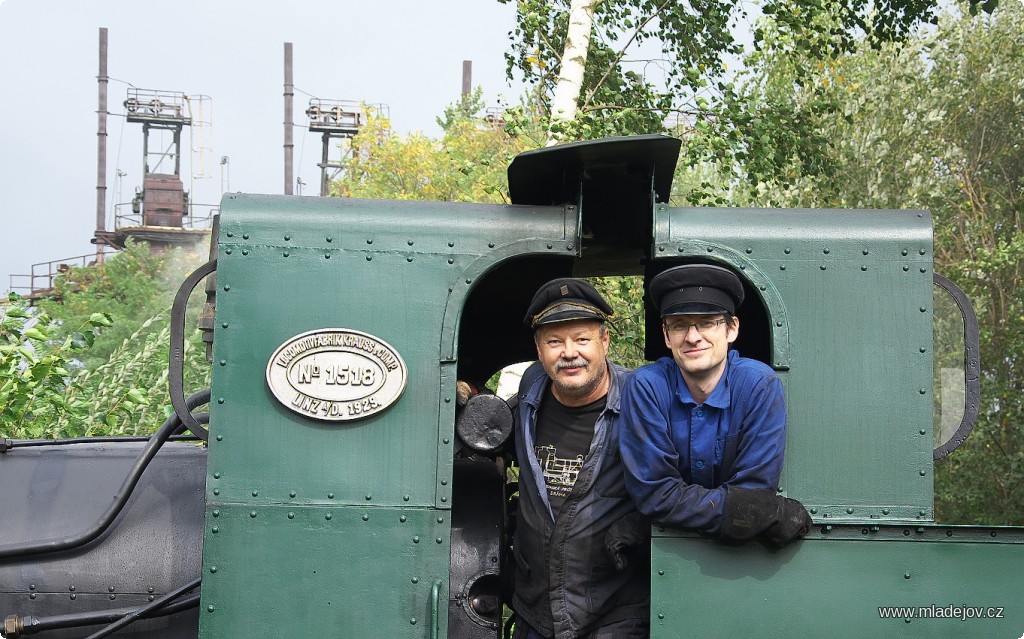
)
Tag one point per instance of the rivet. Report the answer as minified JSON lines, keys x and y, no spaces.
{"x":451,"y":261}
{"x":469,"y":281}
{"x":920,"y":251}
{"x":230,"y":234}
{"x":415,"y":580}
{"x":451,"y":244}
{"x":369,"y":497}
{"x":408,"y":259}
{"x":216,"y":475}
{"x":445,"y":440}
{"x":447,"y":400}
{"x":223,"y":362}
{"x":711,"y":249}
{"x":245,"y":236}
{"x":743,"y":267}
{"x":292,"y":494}
{"x":661,"y":572}
{"x":369,"y":258}
{"x":885,"y":511}
{"x":763,"y":287}
{"x":749,"y":250}
{"x":213,"y":568}
{"x":949,"y":533}
{"x":550,"y":245}
{"x":287,"y":254}
{"x":216,"y":491}
{"x":923,"y":309}
{"x":209,"y":609}
{"x":922,"y":513}
{"x":921,"y":473}
{"x":151,"y":598}
{"x":924,"y":270}
{"x":814,"y":511}
{"x":923,"y":349}
{"x":112,"y":597}
{"x":366,"y":518}
{"x":215,"y":530}
{"x":444,"y":500}
{"x":440,"y":520}
{"x":907,"y":620}
{"x":327,"y":256}
{"x":444,"y":482}
{"x":849,"y":511}
{"x":150,"y":590}
{"x":416,"y":539}
{"x":73,"y":597}
{"x":291,"y":515}
{"x":32,"y":596}
{"x":255,"y":493}
{"x":680,"y":249}
{"x":823,"y":267}
{"x":568,"y":247}
{"x":778,"y":324}
{"x":220,"y":400}
{"x":922,"y":391}
{"x":782,"y":267}
{"x":825,"y":251}
{"x":224,"y":325}
{"x":369,"y":241}
{"x":252,"y":513}
{"x":410,"y":242}
{"x":330,"y":495}
{"x":787,"y":251}
{"x":661,"y":248}
{"x":329,"y":238}
{"x":216,"y":513}
{"x":906,"y":575}
{"x":413,"y":621}
{"x":992,"y":534}
{"x":405,"y":498}
{"x":439,"y":540}
{"x":863,"y":268}
{"x":661,"y":615}
{"x":905,"y":268}
{"x":32,"y":587}
{"x":228,"y":251}
{"x":490,"y":245}
{"x":922,"y":432}
{"x":287,"y":238}
{"x":227,"y":287}
{"x":904,"y":252}
{"x":865,"y":251}
{"x":71,"y":588}
{"x":328,"y":516}
{"x":245,"y":251}
{"x":403,"y":519}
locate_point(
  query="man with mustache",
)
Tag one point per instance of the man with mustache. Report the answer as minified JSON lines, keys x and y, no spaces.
{"x":582,"y":567}
{"x":704,"y":431}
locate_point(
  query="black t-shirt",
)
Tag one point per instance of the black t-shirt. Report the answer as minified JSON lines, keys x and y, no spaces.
{"x":563,"y":440}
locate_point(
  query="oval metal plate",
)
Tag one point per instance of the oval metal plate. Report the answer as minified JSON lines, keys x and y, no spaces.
{"x":336,"y":374}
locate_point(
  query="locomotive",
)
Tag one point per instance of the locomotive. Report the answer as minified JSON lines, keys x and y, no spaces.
{"x":346,"y":486}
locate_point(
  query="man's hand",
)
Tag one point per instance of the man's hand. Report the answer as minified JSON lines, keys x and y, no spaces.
{"x":751,"y":512}
{"x":631,"y":530}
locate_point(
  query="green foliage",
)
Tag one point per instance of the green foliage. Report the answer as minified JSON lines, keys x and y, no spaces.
{"x":467,"y":165}
{"x":625,"y":294}
{"x":935,"y":122}
{"x":93,"y":359}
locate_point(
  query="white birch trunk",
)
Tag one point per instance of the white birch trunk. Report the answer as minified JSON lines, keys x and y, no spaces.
{"x":574,"y":60}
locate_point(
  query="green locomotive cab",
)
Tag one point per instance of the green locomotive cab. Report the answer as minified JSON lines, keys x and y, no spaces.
{"x":352,"y":490}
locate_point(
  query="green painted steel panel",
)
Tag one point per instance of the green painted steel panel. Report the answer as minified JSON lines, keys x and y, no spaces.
{"x":294,"y":571}
{"x":834,"y":588}
{"x":849,"y":296}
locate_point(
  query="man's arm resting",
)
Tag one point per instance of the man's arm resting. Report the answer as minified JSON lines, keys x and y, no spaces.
{"x":760,"y":512}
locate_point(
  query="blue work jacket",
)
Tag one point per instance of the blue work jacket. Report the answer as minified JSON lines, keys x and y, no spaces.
{"x":566,"y":583}
{"x":680,"y":457}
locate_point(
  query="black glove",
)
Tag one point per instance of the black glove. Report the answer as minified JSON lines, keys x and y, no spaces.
{"x":750,"y":512}
{"x":631,"y":530}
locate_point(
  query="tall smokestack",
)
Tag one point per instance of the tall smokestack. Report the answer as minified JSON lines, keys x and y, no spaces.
{"x":467,"y":77}
{"x":101,"y":147}
{"x":289,"y":144}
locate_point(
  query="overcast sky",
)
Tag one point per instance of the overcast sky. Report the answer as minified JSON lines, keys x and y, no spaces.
{"x":406,"y":54}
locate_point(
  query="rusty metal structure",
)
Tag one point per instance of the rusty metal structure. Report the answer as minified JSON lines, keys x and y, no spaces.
{"x":338,"y":120}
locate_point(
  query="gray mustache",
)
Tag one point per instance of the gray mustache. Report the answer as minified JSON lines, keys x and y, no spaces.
{"x":579,"y":362}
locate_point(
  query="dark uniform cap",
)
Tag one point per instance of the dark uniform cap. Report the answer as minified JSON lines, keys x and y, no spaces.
{"x":566,"y":299}
{"x":696,"y":289}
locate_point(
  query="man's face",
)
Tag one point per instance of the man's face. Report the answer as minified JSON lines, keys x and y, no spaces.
{"x":573,"y":355}
{"x":700,"y":343}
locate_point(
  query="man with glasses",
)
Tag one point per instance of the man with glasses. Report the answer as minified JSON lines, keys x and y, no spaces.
{"x":704,"y":431}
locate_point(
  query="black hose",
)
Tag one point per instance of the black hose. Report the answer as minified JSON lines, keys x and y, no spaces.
{"x":131,"y":617}
{"x":31,"y":625}
{"x":176,"y":365}
{"x":120,"y":498}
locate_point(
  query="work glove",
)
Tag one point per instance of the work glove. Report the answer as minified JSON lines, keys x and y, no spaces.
{"x":632,"y":530}
{"x":752,"y":512}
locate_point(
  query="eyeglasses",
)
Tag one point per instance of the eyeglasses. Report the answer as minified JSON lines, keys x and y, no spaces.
{"x":703,"y":326}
